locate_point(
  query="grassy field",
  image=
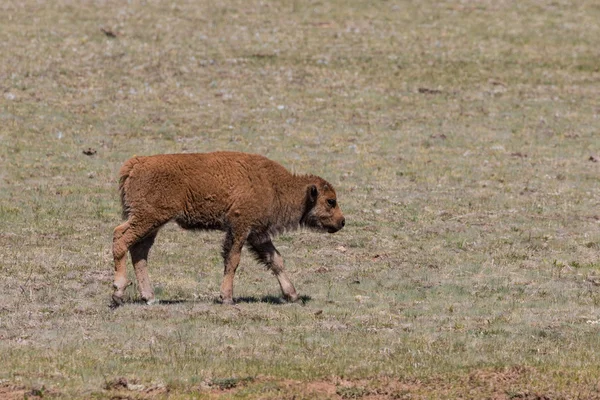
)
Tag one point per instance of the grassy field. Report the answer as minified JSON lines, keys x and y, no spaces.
{"x":462,"y":138}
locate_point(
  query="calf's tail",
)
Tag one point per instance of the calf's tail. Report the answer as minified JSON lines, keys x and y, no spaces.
{"x":124,"y":174}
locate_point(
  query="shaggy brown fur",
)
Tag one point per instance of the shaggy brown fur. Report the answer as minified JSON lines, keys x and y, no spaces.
{"x":248,"y":196}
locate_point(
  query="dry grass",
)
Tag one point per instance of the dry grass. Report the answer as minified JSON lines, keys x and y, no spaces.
{"x":461,"y":137}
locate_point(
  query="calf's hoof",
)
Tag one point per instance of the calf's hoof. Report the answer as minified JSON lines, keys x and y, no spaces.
{"x":151,"y":301}
{"x":119,"y":292}
{"x":226,"y":300}
{"x":117,"y":300}
{"x":291,"y":298}
{"x":148,"y":297}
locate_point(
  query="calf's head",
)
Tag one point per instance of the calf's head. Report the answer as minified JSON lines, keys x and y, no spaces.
{"x":322,"y":209}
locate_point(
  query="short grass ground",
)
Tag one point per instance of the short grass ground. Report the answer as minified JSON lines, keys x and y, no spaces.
{"x":463,"y":140}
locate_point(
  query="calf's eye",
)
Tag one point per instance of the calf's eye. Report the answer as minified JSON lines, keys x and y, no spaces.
{"x":331,"y":202}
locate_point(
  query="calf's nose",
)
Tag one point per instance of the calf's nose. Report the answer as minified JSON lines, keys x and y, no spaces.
{"x":342,"y":223}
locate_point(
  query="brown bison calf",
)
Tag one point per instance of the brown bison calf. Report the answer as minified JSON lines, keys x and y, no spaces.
{"x":248,"y":196}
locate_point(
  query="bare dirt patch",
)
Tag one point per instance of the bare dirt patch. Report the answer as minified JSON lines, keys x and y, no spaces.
{"x":15,"y":392}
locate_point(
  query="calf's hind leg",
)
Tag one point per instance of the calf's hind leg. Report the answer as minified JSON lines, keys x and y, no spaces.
{"x":120,"y":246}
{"x":266,"y":253}
{"x":126,"y":235}
{"x":232,"y":251}
{"x":139,"y":258}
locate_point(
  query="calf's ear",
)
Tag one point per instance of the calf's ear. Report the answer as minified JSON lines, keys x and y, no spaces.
{"x":313,"y":193}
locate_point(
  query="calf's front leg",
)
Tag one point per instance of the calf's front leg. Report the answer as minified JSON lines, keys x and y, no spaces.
{"x":266,"y":253}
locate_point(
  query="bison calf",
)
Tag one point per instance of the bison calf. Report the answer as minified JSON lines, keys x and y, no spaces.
{"x":248,"y":196}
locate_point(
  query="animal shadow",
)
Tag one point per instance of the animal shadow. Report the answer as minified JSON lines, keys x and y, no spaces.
{"x":269,"y":299}
{"x":141,"y":302}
